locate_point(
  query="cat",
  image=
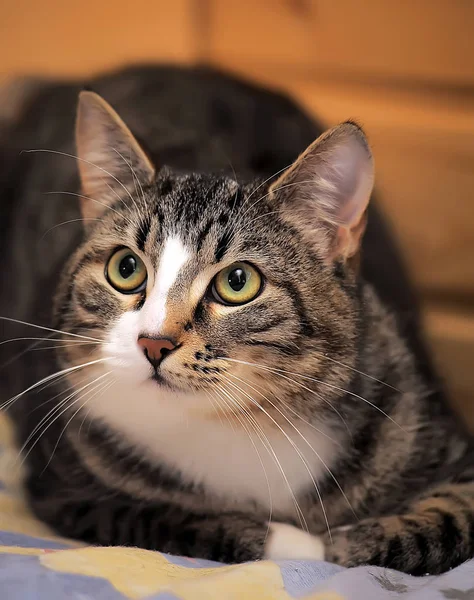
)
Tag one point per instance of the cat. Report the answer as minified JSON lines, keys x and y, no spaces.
{"x":229,"y":361}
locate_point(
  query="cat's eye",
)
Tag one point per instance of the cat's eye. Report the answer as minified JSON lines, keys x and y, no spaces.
{"x":238,"y":283}
{"x":126,"y":272}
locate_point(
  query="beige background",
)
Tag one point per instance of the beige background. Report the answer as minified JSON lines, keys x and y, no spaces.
{"x":404,"y":69}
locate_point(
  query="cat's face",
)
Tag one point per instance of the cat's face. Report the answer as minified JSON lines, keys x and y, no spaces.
{"x":210,"y":295}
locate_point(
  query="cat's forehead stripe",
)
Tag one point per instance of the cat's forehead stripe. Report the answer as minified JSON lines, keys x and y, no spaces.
{"x":173,"y":258}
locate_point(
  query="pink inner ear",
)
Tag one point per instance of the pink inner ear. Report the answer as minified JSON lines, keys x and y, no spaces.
{"x":353,"y":179}
{"x":350,"y":171}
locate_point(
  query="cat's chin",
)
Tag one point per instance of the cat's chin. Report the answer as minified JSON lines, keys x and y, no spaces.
{"x":145,"y":403}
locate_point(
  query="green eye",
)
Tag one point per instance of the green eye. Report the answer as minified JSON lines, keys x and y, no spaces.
{"x":237,"y":284}
{"x":126,"y":272}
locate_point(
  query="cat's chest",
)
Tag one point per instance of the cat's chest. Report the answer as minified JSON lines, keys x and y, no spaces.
{"x":234,"y":462}
{"x":238,"y":465}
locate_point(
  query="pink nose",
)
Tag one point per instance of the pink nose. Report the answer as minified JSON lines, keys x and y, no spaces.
{"x":155,"y":349}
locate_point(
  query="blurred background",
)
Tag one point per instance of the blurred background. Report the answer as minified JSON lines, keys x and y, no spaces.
{"x":403,"y":68}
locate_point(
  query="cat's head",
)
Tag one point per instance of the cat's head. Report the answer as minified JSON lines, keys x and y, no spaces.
{"x":205,"y":294}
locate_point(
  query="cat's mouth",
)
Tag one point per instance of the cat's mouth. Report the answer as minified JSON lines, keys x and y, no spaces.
{"x":158,"y":378}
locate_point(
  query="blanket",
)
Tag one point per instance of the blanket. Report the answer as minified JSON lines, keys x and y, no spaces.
{"x":36,"y":564}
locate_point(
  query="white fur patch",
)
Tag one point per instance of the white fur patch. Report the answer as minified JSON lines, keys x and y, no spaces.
{"x":173,"y":257}
{"x":286,"y":542}
{"x":172,"y":429}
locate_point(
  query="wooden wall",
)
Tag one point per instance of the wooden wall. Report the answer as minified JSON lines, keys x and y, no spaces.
{"x":404,"y":69}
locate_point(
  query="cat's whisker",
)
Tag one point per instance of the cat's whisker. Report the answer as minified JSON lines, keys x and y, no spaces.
{"x":122,"y":201}
{"x":66,"y":222}
{"x":49,"y":378}
{"x":83,"y":160}
{"x":215,"y":408}
{"x":95,"y":390}
{"x":76,"y":335}
{"x":282,"y":187}
{"x":320,"y":431}
{"x":353,"y":369}
{"x":293,"y":411}
{"x":37,"y":342}
{"x":135,"y":177}
{"x":233,"y":171}
{"x":313,"y":392}
{"x":107,"y":206}
{"x":52,"y":417}
{"x":320,"y":382}
{"x":62,"y":346}
{"x":265,"y":443}
{"x":244,"y":410}
{"x":54,"y":382}
{"x":303,"y":438}
{"x":264,"y":182}
{"x":48,"y":339}
{"x":295,"y":447}
{"x":51,"y":383}
{"x":242,"y":216}
{"x":62,"y":392}
{"x":108,"y":385}
{"x":388,"y":385}
{"x":54,"y":410}
{"x":49,"y":415}
{"x":319,"y":396}
{"x":272,"y":212}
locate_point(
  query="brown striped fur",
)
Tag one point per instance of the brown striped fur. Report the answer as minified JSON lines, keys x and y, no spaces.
{"x":332,"y":341}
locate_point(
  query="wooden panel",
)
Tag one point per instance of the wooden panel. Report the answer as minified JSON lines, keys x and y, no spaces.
{"x":428,"y":40}
{"x":425,"y":40}
{"x":274,"y":32}
{"x":451,"y":334}
{"x":55,"y":37}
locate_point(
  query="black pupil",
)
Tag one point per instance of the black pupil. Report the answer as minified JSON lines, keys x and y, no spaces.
{"x":237,"y":279}
{"x":127,"y":266}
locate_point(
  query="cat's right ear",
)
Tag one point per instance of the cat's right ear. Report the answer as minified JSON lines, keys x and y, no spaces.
{"x":326,"y":191}
{"x":110,"y":160}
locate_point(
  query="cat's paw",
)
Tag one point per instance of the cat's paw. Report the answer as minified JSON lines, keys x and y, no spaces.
{"x":288,"y":542}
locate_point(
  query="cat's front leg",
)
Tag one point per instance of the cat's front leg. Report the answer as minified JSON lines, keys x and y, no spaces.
{"x":230,"y":537}
{"x":432,"y":537}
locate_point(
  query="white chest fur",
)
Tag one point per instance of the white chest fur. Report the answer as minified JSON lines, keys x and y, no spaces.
{"x":234,"y":464}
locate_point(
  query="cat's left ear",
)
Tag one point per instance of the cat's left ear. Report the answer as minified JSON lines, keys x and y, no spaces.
{"x":111,"y":162}
{"x":326,"y":191}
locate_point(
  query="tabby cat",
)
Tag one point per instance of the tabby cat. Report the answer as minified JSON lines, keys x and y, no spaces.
{"x":228,"y":367}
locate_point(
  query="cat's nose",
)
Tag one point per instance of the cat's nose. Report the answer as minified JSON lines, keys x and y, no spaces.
{"x":155,"y":349}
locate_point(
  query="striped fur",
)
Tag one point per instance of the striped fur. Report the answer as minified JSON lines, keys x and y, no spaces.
{"x":327,"y":363}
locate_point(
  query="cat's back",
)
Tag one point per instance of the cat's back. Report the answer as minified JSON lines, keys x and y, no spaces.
{"x":189,"y":118}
